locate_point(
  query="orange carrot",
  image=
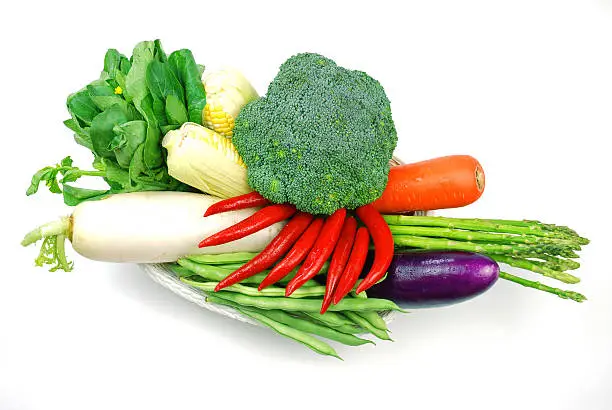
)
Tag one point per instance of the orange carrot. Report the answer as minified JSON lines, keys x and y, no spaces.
{"x":446,"y":182}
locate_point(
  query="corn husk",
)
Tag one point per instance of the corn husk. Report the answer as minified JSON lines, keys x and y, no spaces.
{"x":206,"y":160}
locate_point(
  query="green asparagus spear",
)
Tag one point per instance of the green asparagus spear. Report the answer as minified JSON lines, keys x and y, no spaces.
{"x":534,"y":266}
{"x":507,"y":249}
{"x":564,"y":294}
{"x":472,"y":236}
{"x":526,"y":228}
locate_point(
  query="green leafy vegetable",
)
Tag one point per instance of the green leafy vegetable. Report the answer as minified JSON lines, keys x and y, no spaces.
{"x":122,"y":116}
{"x":187,"y":71}
{"x":175,"y":111}
{"x":162,"y":82}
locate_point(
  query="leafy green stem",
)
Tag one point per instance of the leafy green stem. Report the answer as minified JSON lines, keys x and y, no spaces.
{"x":61,"y":173}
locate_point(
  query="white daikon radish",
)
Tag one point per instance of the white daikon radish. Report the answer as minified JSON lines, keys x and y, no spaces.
{"x":143,"y":227}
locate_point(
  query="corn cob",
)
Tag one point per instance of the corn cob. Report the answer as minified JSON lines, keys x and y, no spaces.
{"x":227,"y":91}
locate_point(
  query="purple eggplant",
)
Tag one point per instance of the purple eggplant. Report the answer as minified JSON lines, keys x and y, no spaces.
{"x":436,"y":278}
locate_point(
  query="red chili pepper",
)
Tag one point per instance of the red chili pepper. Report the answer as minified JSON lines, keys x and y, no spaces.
{"x":354,"y":265}
{"x":256,"y":222}
{"x":295,"y":256}
{"x":321,"y":251}
{"x":339,"y":259}
{"x":383,"y":245}
{"x":251,"y":200}
{"x":271,"y":253}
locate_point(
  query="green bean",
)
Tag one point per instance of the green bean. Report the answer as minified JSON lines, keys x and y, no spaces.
{"x":304,"y":338}
{"x":358,"y":319}
{"x":350,"y":328}
{"x":180,"y":271}
{"x":209,"y":272}
{"x":315,"y":328}
{"x":310,"y":305}
{"x":362,"y":295}
{"x":251,"y":291}
{"x":375,"y":320}
{"x":233,"y":261}
{"x":230,"y":266}
{"x":217,"y":272}
{"x":372,"y":317}
{"x":234,"y":266}
{"x":222,"y":258}
{"x":311,"y":283}
{"x":308,"y":284}
{"x":298,"y":335}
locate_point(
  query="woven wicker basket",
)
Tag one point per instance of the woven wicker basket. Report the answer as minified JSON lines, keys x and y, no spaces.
{"x":161,"y":274}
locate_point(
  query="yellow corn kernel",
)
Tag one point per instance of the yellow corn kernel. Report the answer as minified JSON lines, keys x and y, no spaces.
{"x":218,"y":120}
{"x":227,"y":91}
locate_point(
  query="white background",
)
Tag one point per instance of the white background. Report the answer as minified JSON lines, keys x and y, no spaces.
{"x":525,"y":86}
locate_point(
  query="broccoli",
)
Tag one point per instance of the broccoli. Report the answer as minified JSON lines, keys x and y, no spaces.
{"x":321,"y":138}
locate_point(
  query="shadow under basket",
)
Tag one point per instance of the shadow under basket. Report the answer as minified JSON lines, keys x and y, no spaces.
{"x":162,"y":274}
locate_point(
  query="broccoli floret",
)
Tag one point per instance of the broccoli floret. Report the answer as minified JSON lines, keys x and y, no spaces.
{"x":321,"y":138}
